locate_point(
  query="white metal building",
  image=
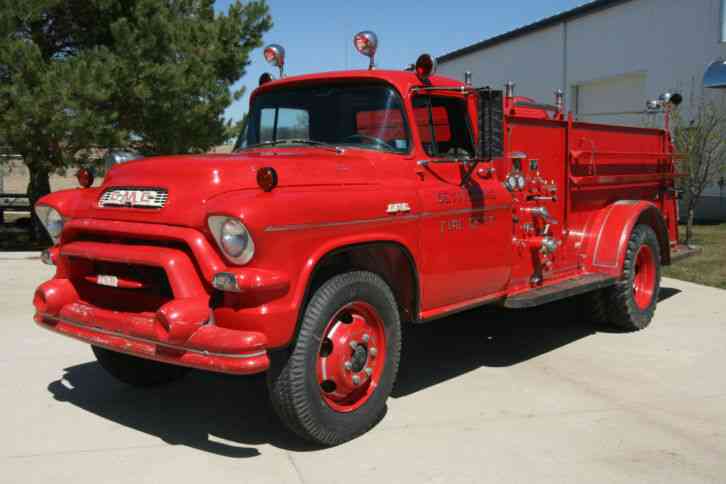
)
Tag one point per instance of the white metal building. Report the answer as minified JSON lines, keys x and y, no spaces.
{"x":609,"y":57}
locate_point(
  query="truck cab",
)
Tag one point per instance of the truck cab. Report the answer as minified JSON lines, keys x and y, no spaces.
{"x":354,"y":203}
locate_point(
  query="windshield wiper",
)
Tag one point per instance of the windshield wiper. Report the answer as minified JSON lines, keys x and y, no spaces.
{"x":301,"y":141}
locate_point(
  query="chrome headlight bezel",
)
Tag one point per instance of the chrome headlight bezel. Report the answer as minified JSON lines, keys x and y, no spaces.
{"x":233,"y":238}
{"x":52,"y":221}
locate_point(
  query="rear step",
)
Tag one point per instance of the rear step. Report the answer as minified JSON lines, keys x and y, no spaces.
{"x":562,"y":290}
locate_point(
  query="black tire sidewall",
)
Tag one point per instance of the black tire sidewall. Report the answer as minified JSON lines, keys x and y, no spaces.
{"x":336,"y":293}
{"x":642,"y":235}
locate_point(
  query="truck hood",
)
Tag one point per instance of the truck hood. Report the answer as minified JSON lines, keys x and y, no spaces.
{"x":191,"y":180}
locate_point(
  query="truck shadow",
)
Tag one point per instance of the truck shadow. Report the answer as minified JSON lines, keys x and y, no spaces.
{"x":445,"y":349}
{"x":230,"y":416}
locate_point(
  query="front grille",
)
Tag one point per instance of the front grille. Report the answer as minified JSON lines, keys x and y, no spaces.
{"x":154,"y":290}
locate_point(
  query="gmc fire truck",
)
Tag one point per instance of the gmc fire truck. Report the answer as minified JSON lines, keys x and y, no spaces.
{"x":355,"y":203}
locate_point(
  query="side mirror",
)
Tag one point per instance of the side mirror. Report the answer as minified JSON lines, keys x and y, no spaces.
{"x":490,"y":144}
{"x":715,"y":77}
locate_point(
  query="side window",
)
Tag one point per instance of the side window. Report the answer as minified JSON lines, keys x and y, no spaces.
{"x":444,"y":127}
{"x":284,"y":123}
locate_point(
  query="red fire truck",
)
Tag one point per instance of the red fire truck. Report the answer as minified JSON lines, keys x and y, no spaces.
{"x":355,"y":203}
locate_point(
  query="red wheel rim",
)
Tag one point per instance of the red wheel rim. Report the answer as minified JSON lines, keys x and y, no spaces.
{"x":351,"y":357}
{"x":644,"y":277}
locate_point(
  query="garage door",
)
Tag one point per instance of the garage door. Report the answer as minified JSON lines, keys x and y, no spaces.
{"x":616,"y":100}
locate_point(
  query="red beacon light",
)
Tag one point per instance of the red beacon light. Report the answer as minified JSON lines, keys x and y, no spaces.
{"x":366,"y":42}
{"x":275,"y":56}
{"x":267,"y":178}
{"x":84,"y":177}
{"x":265,"y":78}
{"x":425,"y":67}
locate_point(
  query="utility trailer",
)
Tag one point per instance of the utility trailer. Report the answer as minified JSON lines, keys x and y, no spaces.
{"x":355,"y":203}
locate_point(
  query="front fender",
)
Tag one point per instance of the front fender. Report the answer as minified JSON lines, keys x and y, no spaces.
{"x":610,"y":231}
{"x":71,"y":203}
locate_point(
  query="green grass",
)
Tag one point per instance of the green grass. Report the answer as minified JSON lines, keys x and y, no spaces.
{"x":708,"y":267}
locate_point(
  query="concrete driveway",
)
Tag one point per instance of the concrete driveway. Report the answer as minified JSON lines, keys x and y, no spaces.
{"x":536,"y":396}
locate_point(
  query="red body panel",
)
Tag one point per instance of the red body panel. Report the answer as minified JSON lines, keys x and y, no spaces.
{"x":468,"y":245}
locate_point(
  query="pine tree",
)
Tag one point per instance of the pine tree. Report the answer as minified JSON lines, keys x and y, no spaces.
{"x":82,"y":74}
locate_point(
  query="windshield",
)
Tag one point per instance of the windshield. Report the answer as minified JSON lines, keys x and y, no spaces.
{"x":368,"y":116}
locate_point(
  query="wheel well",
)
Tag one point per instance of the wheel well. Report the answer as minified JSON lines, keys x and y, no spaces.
{"x":390,"y":260}
{"x":653,"y":218}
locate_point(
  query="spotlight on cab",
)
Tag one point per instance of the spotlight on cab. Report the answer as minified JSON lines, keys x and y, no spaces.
{"x":275,"y":56}
{"x":366,"y":42}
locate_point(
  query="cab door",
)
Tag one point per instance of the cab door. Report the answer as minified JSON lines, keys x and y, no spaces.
{"x":466,"y":221}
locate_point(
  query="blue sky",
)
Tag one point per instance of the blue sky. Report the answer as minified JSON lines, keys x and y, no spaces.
{"x":318,"y":35}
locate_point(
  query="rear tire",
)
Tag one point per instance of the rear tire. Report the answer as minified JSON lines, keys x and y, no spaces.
{"x":137,"y":372}
{"x":630,"y":304}
{"x":334,"y":385}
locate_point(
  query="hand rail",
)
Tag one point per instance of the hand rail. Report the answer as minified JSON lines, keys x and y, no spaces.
{"x":602,"y":180}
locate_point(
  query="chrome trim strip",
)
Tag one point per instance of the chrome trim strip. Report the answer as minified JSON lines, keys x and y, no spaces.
{"x":393,"y":218}
{"x":284,"y":228}
{"x":142,"y":340}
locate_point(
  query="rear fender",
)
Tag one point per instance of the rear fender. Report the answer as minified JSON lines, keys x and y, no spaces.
{"x":611,"y":231}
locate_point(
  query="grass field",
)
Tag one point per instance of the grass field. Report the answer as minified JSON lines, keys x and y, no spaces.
{"x":708,"y":267}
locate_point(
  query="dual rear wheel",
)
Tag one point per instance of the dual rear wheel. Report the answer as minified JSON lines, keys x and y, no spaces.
{"x":630,"y":304}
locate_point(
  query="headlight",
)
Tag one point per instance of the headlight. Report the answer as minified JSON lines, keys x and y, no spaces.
{"x":233,"y":238}
{"x":51,"y":220}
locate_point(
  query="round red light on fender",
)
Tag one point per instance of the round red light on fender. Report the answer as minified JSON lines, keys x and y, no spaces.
{"x":267,"y":178}
{"x":85,"y":177}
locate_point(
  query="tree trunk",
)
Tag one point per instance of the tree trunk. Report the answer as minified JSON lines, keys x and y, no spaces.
{"x":38,"y":186}
{"x":689,"y":221}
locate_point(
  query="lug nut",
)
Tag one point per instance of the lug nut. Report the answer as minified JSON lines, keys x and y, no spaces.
{"x":366,"y":338}
{"x":348,"y":365}
{"x":368,"y":371}
{"x":373,"y":352}
{"x":356,"y":380}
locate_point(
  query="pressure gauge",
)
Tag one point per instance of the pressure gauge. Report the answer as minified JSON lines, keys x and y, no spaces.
{"x":521,"y":182}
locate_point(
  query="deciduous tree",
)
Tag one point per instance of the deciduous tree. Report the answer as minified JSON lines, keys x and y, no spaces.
{"x":702,"y":138}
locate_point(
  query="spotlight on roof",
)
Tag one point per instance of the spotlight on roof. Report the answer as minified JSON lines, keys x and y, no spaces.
{"x":275,"y":56}
{"x":366,"y":42}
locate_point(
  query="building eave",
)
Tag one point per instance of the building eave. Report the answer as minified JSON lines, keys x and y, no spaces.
{"x":581,"y":11}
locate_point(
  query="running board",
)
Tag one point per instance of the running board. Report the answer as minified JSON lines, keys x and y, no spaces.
{"x":562,"y":290}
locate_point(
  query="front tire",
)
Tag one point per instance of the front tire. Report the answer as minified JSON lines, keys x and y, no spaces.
{"x":334,"y":385}
{"x":137,"y":372}
{"x":630,"y":304}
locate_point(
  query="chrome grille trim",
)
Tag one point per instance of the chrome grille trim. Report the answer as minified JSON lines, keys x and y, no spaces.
{"x":134,"y":197}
